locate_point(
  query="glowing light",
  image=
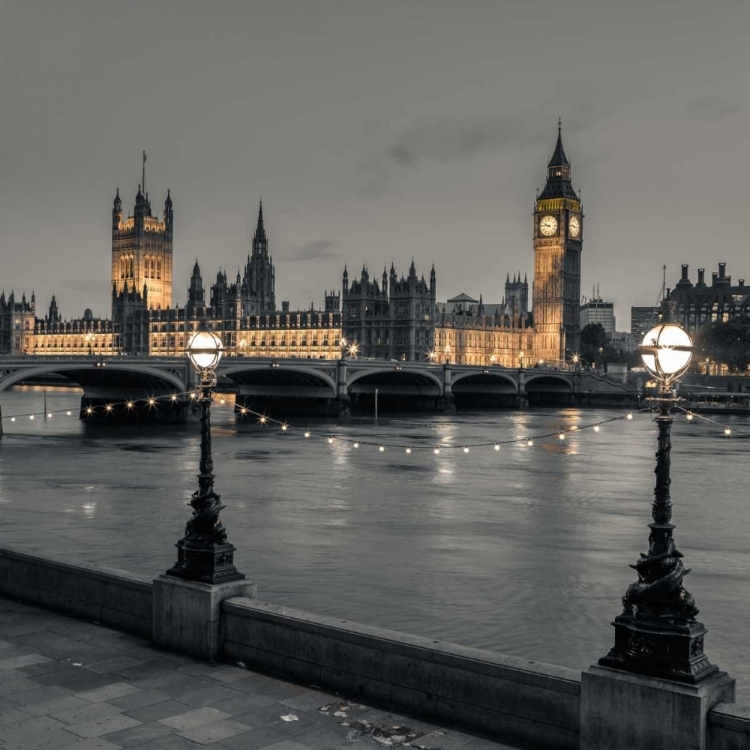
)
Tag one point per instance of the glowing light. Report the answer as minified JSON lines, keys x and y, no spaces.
{"x":129,"y":404}
{"x":263,"y":419}
{"x":151,"y":401}
{"x":381,"y":448}
{"x":574,"y":428}
{"x":330,"y":441}
{"x":466,"y":449}
{"x":561,"y":436}
{"x":356,"y":444}
{"x":408,"y":449}
{"x":12,"y":419}
{"x":596,"y":428}
{"x":174,"y":397}
{"x":204,"y":350}
{"x":284,"y":427}
{"x":31,"y":416}
{"x":68,"y":413}
{"x":192,"y":395}
{"x":307,"y":434}
{"x":221,"y":400}
{"x":109,"y":407}
{"x":497,"y":446}
{"x":49,"y":415}
{"x":436,"y":451}
{"x":89,"y":411}
{"x":630,"y":415}
{"x":727,"y":431}
{"x":690,"y":416}
{"x":666,"y":351}
{"x":529,"y":442}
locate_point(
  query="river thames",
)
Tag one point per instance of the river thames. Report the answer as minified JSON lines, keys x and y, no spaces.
{"x":524,"y":551}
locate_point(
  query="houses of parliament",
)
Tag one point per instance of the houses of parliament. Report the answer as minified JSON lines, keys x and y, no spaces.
{"x":395,"y":318}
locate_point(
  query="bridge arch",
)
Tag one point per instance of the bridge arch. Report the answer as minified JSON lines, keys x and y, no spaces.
{"x":497,"y":381}
{"x":548,"y":382}
{"x":281,"y":376}
{"x":397,"y":380}
{"x":116,"y":374}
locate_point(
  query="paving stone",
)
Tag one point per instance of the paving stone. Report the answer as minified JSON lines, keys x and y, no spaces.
{"x":22,"y":661}
{"x":245,"y":703}
{"x":255,"y":739}
{"x":309,"y":701}
{"x":175,"y":742}
{"x":186,"y":685}
{"x":33,"y":670}
{"x":195,"y":718}
{"x":209,"y":695}
{"x":36,"y":725}
{"x":114,"y":690}
{"x":259,"y":717}
{"x":36,"y":695}
{"x":149,"y":669}
{"x":158,"y":711}
{"x":61,"y":703}
{"x":323,"y":737}
{"x":215,"y":731}
{"x":112,"y":665}
{"x":141,"y":733}
{"x":229,"y":674}
{"x":17,"y":686}
{"x":138,"y":700}
{"x":53,"y":739}
{"x":11,"y":716}
{"x":199,"y":668}
{"x":288,"y":745}
{"x":87,"y":712}
{"x":95,"y":743}
{"x":306,"y":722}
{"x":98,"y":727}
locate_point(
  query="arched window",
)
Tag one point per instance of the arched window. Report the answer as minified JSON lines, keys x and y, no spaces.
{"x":158,"y":269}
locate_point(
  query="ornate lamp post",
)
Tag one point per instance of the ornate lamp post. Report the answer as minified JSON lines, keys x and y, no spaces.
{"x":204,"y":554}
{"x":657,"y":633}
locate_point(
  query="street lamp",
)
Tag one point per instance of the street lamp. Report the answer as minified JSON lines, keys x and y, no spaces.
{"x":343,"y":344}
{"x":657,"y":633}
{"x":353,"y":349}
{"x":204,"y":554}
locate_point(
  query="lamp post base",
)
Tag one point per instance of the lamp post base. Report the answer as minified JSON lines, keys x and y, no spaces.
{"x":668,"y":651}
{"x":205,"y":562}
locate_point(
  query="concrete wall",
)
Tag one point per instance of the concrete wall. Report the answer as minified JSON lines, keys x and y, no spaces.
{"x":521,"y":701}
{"x":729,"y":727}
{"x":112,"y":597}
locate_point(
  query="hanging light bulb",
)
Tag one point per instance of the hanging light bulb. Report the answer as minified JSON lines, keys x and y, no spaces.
{"x":356,"y":444}
{"x":108,"y":407}
{"x":381,"y":448}
{"x":596,"y":428}
{"x":31,"y":416}
{"x":12,"y":419}
{"x":68,"y":413}
{"x":307,"y":434}
{"x":727,"y":431}
{"x":263,"y":419}
{"x":529,"y":442}
{"x":221,"y":400}
{"x":497,"y":446}
{"x":284,"y":427}
{"x":436,"y":451}
{"x":330,"y":441}
{"x":630,"y":415}
{"x":466,"y":449}
{"x":151,"y":401}
{"x":561,"y":435}
{"x":690,"y":416}
{"x":408,"y":449}
{"x":130,"y":404}
{"x":49,"y":415}
{"x":89,"y":411}
{"x":174,"y":397}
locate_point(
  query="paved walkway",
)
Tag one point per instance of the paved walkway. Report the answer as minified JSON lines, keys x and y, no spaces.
{"x":74,"y":685}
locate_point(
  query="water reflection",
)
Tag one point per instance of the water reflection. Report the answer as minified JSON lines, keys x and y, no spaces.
{"x":524,"y":550}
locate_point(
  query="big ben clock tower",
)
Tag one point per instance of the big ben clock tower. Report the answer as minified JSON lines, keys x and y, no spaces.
{"x":558,"y":240}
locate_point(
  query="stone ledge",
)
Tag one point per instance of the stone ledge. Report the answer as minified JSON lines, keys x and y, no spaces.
{"x":730,"y":716}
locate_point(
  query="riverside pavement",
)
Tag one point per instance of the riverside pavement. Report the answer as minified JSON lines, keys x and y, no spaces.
{"x":68,"y":684}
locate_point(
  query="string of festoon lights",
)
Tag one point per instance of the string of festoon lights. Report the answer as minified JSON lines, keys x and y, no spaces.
{"x":333,"y":438}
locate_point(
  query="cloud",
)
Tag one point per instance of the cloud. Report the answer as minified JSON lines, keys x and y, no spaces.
{"x":712,"y":108}
{"x":81,"y":285}
{"x":318,"y":250}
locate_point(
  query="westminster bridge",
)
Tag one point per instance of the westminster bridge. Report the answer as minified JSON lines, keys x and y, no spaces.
{"x":161,"y":386}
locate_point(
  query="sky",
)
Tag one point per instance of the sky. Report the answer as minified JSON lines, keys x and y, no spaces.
{"x":373,"y":132}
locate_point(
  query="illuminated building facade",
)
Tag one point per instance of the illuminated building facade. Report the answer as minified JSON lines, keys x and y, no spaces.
{"x":398,"y":318}
{"x":700,"y":304}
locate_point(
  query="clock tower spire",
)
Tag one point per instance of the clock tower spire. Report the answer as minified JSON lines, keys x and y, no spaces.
{"x":558,"y":235}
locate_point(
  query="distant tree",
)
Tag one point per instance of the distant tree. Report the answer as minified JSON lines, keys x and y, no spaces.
{"x":595,"y":345}
{"x":726,"y":343}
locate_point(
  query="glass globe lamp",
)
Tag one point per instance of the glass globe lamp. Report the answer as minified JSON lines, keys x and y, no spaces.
{"x":204,"y":350}
{"x":666,"y":352}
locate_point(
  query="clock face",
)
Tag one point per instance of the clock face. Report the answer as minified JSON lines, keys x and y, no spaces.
{"x":575,"y":226}
{"x":548,"y":225}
